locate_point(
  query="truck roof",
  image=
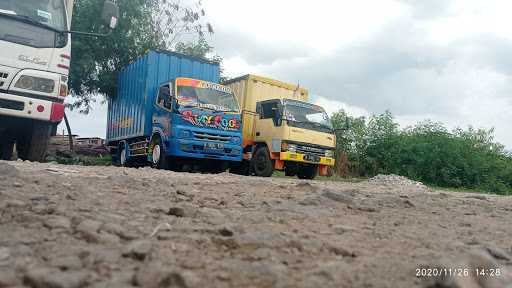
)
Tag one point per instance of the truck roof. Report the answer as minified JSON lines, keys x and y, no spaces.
{"x":268,"y":81}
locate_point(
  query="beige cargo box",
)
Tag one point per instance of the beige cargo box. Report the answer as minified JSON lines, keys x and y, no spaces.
{"x":250,"y":89}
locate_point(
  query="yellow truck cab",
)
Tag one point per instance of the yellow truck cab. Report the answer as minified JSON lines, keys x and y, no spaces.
{"x":281,"y":130}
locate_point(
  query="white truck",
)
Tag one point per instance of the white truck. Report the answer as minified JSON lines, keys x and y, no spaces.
{"x":35,"y":55}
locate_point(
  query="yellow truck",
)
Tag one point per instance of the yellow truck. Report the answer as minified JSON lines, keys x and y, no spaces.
{"x":281,"y":130}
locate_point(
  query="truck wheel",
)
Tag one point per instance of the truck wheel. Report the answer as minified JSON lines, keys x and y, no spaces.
{"x":307,"y":172}
{"x":262,"y":164}
{"x":159,"y":159}
{"x":33,"y":146}
{"x":6,"y":149}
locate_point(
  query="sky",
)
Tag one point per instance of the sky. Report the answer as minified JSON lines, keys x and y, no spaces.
{"x":444,"y":60}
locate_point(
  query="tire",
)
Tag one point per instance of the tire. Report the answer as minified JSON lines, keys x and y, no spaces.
{"x":262,"y":165}
{"x":33,"y":146}
{"x":6,"y":149}
{"x":307,"y":172}
{"x":159,"y":159}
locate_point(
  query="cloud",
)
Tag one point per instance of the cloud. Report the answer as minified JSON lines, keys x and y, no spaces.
{"x":448,"y":60}
{"x":428,"y":10}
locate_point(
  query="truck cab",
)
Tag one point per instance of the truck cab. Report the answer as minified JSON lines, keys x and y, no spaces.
{"x":299,"y":137}
{"x":35,"y":53}
{"x":281,"y":130}
{"x":195,"y":120}
{"x":170,"y":112}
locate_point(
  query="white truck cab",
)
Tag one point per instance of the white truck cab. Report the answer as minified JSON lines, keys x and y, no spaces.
{"x":35,"y":56}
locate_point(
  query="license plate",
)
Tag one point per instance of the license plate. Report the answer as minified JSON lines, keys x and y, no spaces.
{"x":213,"y":146}
{"x":312,"y":158}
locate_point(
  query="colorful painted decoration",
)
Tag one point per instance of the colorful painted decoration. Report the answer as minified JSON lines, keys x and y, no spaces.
{"x":213,"y":121}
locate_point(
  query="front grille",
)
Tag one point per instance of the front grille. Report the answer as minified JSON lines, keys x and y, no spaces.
{"x":211,"y":137}
{"x":311,"y":150}
{"x":12,"y":105}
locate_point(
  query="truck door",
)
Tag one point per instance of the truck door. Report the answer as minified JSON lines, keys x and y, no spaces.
{"x":163,"y":112}
{"x":268,"y":126}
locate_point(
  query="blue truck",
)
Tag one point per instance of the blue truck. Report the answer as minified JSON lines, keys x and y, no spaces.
{"x":171,"y":112}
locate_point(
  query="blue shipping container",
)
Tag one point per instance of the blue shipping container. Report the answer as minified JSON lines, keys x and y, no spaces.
{"x":201,"y":121}
{"x":130,"y":112}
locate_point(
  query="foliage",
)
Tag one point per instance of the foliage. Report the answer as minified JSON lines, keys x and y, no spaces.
{"x":201,"y":49}
{"x":426,"y":152}
{"x":143,"y":25}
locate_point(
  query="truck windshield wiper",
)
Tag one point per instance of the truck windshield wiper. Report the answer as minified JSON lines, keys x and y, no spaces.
{"x":30,"y":20}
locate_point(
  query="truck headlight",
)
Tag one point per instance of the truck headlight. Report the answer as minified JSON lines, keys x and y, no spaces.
{"x":329,"y":154}
{"x":288,"y":147}
{"x":292,"y":148}
{"x":35,"y":84}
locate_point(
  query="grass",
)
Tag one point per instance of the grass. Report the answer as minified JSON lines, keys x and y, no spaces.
{"x":82,"y":160}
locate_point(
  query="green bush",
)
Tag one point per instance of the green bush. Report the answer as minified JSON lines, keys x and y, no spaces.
{"x":426,"y":152}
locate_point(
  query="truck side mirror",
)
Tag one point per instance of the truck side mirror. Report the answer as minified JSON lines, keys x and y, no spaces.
{"x":110,"y":14}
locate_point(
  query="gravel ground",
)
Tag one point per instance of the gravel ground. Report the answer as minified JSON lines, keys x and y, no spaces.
{"x":72,"y":226}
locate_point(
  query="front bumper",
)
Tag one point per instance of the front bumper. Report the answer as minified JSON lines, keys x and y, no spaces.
{"x":31,"y":108}
{"x":196,"y":149}
{"x":299,"y":157}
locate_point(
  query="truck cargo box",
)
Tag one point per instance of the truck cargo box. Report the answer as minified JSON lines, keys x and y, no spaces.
{"x":129,"y":113}
{"x":250,"y":89}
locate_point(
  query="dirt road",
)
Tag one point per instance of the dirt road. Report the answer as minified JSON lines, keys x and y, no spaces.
{"x":71,"y":226}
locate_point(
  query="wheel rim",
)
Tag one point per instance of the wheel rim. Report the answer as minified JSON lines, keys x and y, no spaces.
{"x":156,"y":154}
{"x":123,"y":157}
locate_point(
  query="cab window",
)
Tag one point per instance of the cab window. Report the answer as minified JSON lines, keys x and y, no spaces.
{"x":165,"y":96}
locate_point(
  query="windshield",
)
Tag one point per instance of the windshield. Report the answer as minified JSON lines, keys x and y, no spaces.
{"x":47,"y":12}
{"x":307,"y":116}
{"x":206,"y":98}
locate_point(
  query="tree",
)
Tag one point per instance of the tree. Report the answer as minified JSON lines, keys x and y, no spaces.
{"x":143,"y":25}
{"x":427,"y":152}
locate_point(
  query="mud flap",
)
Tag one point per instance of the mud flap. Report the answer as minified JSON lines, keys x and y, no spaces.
{"x":322,"y":170}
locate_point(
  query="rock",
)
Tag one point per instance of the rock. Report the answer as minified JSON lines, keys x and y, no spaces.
{"x":212,"y":216}
{"x":88,"y":230}
{"x":138,"y":249}
{"x":176,"y":211}
{"x":340,"y":251}
{"x":396,"y":180}
{"x":5,"y":254}
{"x":364,"y":208}
{"x":338,"y":196}
{"x":310,"y":201}
{"x":50,"y":278}
{"x":57,"y":222}
{"x":226,"y":232}
{"x":122,"y":232}
{"x":342,"y":229}
{"x":14,"y":203}
{"x":17,"y":184}
{"x":158,"y":276}
{"x":7,"y":170}
{"x":8,"y":278}
{"x":498,"y":253}
{"x":70,"y":262}
{"x":227,"y":243}
{"x":478,"y":197}
{"x":409,"y":204}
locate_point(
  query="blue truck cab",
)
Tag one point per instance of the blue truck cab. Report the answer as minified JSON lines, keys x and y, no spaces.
{"x":171,"y":112}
